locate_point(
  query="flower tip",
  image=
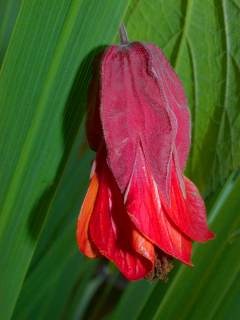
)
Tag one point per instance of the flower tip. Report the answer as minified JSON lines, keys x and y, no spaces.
{"x":188,"y":262}
{"x":211,"y":235}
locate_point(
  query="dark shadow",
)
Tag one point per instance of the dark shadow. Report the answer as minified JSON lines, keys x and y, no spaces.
{"x":73,"y":114}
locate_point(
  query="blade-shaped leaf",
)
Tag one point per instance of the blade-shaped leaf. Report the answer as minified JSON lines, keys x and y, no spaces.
{"x":8,"y":14}
{"x":55,"y":276}
{"x":230,"y":307}
{"x":56,"y":250}
{"x":37,"y":73}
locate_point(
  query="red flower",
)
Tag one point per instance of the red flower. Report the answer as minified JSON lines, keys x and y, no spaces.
{"x":139,"y":211}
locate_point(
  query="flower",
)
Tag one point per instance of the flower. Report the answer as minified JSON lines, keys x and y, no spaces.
{"x":139,"y":211}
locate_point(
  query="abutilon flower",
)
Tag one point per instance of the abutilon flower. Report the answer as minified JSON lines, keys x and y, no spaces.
{"x":140,"y":211}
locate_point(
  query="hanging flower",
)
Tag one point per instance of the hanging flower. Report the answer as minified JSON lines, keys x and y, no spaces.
{"x":139,"y":211}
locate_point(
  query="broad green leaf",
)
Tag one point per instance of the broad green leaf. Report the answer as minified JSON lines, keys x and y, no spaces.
{"x":201,"y":40}
{"x":36,"y":125}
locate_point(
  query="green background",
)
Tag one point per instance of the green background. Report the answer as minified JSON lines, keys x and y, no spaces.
{"x":46,"y":50}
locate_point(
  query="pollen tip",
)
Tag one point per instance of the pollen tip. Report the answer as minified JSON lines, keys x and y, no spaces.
{"x":163,"y":265}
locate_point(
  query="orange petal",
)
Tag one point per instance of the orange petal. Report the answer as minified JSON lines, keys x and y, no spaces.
{"x":83,"y":240}
{"x":143,"y":246}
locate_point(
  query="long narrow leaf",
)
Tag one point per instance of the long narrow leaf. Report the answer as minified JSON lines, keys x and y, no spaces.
{"x":37,"y":73}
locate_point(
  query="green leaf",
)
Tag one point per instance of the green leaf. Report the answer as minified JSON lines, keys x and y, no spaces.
{"x":8,"y":14}
{"x":136,"y":293}
{"x":230,"y":308}
{"x":145,"y":297}
{"x":45,"y":69}
{"x":200,"y":38}
{"x":56,"y":251}
{"x":56,"y":277}
{"x":36,"y":129}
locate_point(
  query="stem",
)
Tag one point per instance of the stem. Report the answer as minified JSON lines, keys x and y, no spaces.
{"x":123,"y":35}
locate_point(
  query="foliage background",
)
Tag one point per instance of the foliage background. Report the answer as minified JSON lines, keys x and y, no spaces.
{"x":46,"y":50}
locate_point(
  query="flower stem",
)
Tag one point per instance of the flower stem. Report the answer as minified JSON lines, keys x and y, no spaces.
{"x":123,"y":35}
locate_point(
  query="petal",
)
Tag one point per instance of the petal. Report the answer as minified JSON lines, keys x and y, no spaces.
{"x":84,"y":243}
{"x":143,"y":246}
{"x":144,"y":206}
{"x":113,"y":232}
{"x":133,"y":107}
{"x":174,"y":94}
{"x":188,"y":211}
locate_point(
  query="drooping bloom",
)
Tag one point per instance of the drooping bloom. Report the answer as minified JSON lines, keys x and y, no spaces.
{"x":140,"y":211}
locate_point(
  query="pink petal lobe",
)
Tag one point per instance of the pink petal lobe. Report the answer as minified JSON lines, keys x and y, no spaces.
{"x":113,"y":233}
{"x":133,"y":109}
{"x":188,"y":211}
{"x":173,"y":92}
{"x":144,"y":207}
